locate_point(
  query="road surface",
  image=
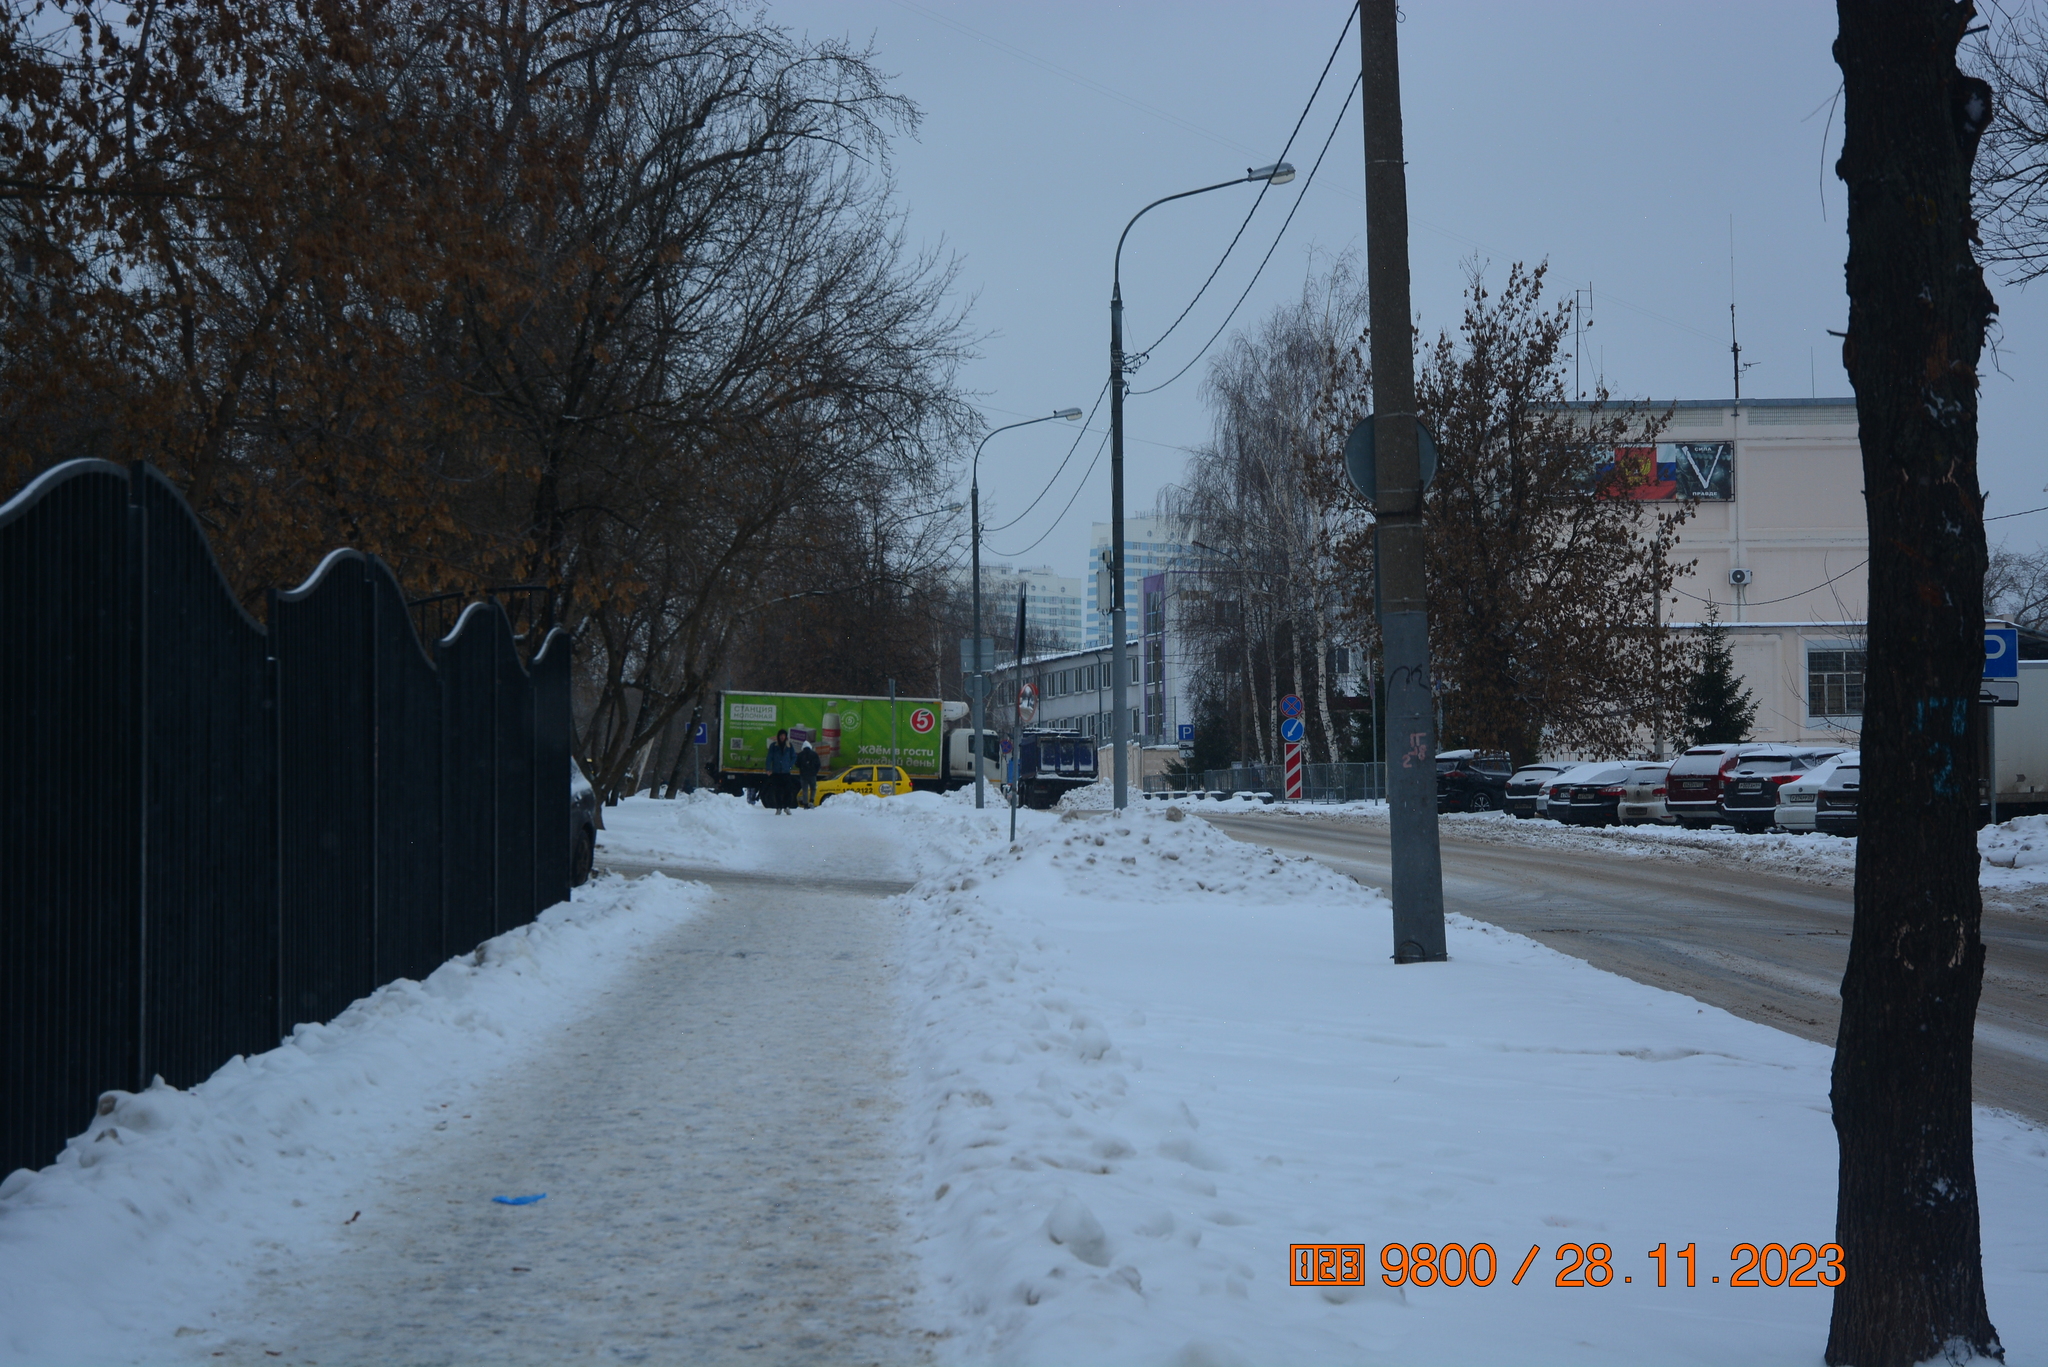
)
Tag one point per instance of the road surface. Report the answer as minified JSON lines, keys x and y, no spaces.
{"x":1769,"y":949}
{"x":718,"y":1144}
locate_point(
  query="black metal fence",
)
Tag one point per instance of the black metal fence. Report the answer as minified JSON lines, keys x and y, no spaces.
{"x":215,"y":830}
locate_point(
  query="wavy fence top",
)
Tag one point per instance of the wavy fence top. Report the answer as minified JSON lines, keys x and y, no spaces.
{"x":232,"y":826}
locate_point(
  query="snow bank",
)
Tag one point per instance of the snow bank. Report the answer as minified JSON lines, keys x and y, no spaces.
{"x":711,"y":830}
{"x":2015,"y":852}
{"x":704,"y":828}
{"x":1145,"y":1058}
{"x":168,"y":1201}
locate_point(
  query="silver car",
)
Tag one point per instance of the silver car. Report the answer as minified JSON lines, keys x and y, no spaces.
{"x":1643,"y":793}
{"x":1796,"y":800}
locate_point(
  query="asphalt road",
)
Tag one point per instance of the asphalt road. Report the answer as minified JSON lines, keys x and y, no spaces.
{"x":1769,"y":949}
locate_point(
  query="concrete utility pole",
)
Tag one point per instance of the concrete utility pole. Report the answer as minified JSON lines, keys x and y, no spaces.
{"x":1119,"y":717}
{"x":1418,"y":886}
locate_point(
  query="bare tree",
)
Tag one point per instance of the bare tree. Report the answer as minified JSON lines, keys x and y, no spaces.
{"x":1267,"y":592}
{"x":2016,"y":586}
{"x":608,"y":297}
{"x":1549,"y":549}
{"x":2011,"y":170}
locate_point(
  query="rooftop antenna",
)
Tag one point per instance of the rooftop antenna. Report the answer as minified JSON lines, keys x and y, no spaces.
{"x":1578,"y":330}
{"x":1734,"y":346}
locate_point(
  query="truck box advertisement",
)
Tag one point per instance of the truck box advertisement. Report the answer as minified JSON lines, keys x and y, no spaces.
{"x":845,"y":731}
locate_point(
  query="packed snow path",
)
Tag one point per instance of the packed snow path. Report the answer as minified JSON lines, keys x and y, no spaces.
{"x":718,"y":1146}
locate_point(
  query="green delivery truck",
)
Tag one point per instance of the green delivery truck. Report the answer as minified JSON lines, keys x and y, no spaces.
{"x":846,"y":731}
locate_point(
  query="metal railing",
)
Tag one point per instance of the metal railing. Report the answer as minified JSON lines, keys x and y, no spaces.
{"x":218,"y":828}
{"x":1319,"y":782}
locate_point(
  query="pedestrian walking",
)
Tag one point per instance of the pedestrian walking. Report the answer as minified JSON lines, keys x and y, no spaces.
{"x":781,"y":773}
{"x":807,"y":766}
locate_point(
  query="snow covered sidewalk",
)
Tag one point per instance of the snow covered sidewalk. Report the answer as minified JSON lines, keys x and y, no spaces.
{"x":1067,"y":1101}
{"x":698,"y":1083}
{"x":1148,"y":1058}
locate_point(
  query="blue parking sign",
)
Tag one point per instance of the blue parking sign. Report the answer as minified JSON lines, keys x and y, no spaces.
{"x":1185,"y":731}
{"x":2001,"y":652}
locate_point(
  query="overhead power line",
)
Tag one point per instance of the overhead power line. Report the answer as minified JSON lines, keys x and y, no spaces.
{"x":1062,"y":465}
{"x":1306,"y":108}
{"x":1054,"y":525}
{"x":1269,"y":251}
{"x":2022,"y":513}
{"x":1223,"y":140}
{"x":1264,"y":186}
{"x":1766,"y":602}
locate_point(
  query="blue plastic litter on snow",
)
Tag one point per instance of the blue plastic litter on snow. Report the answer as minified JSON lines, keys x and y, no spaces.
{"x":519,"y":1200}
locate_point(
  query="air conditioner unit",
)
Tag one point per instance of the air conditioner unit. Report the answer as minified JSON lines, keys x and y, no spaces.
{"x":1740,"y":577}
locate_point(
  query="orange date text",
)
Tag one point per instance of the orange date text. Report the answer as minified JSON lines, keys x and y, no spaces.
{"x":1578,"y":1266}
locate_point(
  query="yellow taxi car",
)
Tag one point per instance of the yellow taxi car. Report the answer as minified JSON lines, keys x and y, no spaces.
{"x":876,"y":780}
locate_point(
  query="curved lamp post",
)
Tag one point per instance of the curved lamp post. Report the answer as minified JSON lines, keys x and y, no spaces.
{"x":1279,"y":173}
{"x":974,"y":518}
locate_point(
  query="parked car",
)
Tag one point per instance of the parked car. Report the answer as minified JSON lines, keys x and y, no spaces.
{"x":876,"y":780}
{"x":1834,"y":808}
{"x":1796,"y":800}
{"x":1472,"y":780}
{"x":1693,"y":787}
{"x":1642,"y":795}
{"x":1589,"y":794}
{"x":1528,"y":790}
{"x":1557,"y":792}
{"x":1749,"y":795}
{"x":582,"y":826}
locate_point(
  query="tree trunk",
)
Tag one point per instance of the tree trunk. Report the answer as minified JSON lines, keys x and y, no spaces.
{"x":1330,"y":753}
{"x":1906,"y":1214}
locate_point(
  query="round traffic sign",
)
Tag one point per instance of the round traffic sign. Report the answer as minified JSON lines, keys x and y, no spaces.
{"x":1290,"y":706}
{"x":1291,"y":729}
{"x":1027,"y":701}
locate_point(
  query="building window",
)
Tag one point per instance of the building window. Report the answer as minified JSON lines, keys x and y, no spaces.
{"x":1834,"y":682}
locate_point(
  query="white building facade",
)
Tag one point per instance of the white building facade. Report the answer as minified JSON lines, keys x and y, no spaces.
{"x":1781,"y":551}
{"x":1054,"y":602}
{"x":1076,"y":687}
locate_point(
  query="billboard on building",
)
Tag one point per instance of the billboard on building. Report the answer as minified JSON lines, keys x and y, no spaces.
{"x":1704,"y":470}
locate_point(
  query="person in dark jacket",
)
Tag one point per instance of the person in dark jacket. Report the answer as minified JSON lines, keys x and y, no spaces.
{"x":807,"y":765}
{"x":781,"y":772}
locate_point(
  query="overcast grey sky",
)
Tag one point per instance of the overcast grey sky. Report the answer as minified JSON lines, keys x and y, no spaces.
{"x":1613,"y":140}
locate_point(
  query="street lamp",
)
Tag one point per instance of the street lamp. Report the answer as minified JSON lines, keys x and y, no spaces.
{"x":1279,"y":173}
{"x":974,"y":517}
